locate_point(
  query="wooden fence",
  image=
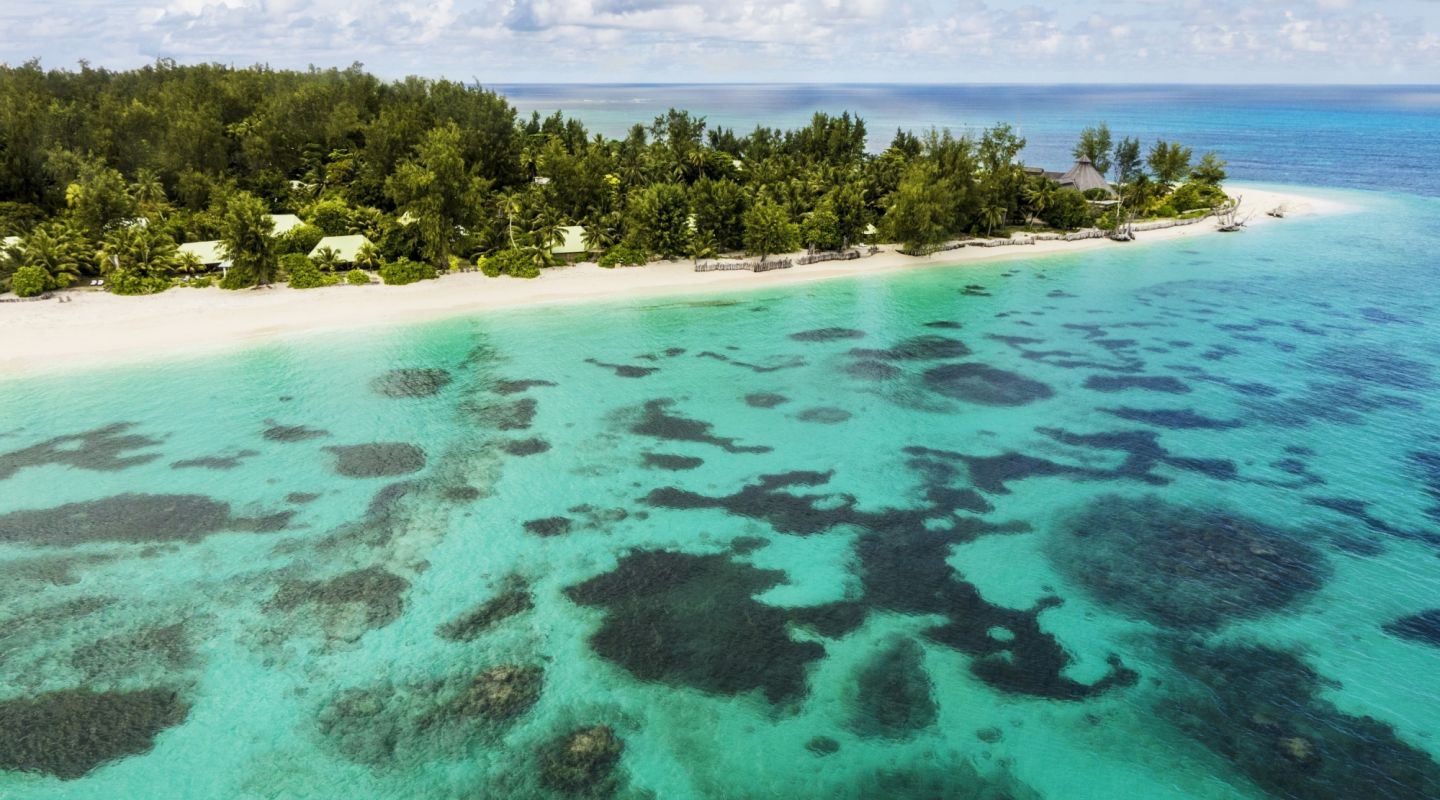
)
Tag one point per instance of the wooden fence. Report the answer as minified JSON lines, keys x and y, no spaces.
{"x":829,"y":255}
{"x":752,"y":266}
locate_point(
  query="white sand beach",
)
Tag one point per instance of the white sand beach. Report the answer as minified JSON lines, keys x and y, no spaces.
{"x":97,"y":328}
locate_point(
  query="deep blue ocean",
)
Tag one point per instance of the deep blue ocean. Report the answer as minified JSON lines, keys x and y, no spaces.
{"x":1160,"y":521}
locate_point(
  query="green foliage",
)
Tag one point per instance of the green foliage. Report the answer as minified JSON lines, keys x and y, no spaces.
{"x":30,"y":281}
{"x":1095,"y":144}
{"x":768,"y":230}
{"x":439,"y":188}
{"x":61,"y":250}
{"x":299,"y":239}
{"x":403,"y":271}
{"x":1169,"y":161}
{"x":918,"y":215}
{"x":202,"y":282}
{"x":245,"y":232}
{"x":17,"y":218}
{"x":331,"y":216}
{"x":98,"y":198}
{"x":132,"y":282}
{"x":1128,"y":162}
{"x":1196,"y":195}
{"x":662,"y":219}
{"x":303,"y":273}
{"x":1068,"y":210}
{"x":719,"y":208}
{"x":142,"y":253}
{"x":821,"y":229}
{"x":357,"y":277}
{"x":515,"y":262}
{"x":327,"y":258}
{"x":1210,"y":171}
{"x":623,"y":257}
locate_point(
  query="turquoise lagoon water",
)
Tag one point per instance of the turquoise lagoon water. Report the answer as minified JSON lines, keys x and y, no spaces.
{"x":1143,"y":523}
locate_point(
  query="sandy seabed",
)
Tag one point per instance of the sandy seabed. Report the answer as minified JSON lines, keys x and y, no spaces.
{"x":97,"y":328}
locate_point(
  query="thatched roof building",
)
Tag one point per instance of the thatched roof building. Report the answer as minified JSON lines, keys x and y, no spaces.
{"x":1083,"y":177}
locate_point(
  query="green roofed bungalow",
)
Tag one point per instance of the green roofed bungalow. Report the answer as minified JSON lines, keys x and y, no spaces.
{"x":211,"y":254}
{"x":284,"y":223}
{"x":346,"y":247}
{"x":572,"y":247}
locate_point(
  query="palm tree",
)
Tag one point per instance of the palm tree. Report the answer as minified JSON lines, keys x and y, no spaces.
{"x":546,"y":230}
{"x":702,"y":245}
{"x":188,"y":263}
{"x":59,"y":249}
{"x":1039,"y":195}
{"x":149,"y":192}
{"x":992,"y":215}
{"x":326,"y":258}
{"x":367,"y":257}
{"x":601,"y":232}
{"x":140,"y":250}
{"x":509,"y":205}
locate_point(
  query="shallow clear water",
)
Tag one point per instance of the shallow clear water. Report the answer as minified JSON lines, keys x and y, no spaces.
{"x":872,"y":593}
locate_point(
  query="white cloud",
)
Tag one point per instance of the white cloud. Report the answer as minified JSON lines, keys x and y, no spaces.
{"x":655,"y":40}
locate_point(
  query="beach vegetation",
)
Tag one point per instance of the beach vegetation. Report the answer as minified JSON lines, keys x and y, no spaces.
{"x":1169,"y":161}
{"x":404,"y":270}
{"x":29,"y":281}
{"x":303,"y":273}
{"x":245,"y":235}
{"x":357,"y":277}
{"x":623,"y":257}
{"x":431,"y":169}
{"x":768,"y":230}
{"x":299,"y":239}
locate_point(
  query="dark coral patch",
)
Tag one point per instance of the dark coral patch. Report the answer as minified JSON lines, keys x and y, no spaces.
{"x":549,"y":526}
{"x":894,"y":697}
{"x":1150,"y":383}
{"x":132,"y":518}
{"x":215,"y":462}
{"x":1172,"y":418}
{"x":513,"y":416}
{"x":101,"y":450}
{"x":290,"y":434}
{"x":514,"y":598}
{"x":1422,"y":627}
{"x":71,"y":732}
{"x":793,"y":362}
{"x":658,"y":423}
{"x":525,"y":447}
{"x":301,"y":498}
{"x":1375,"y":366}
{"x":824,"y":415}
{"x":378,"y":593}
{"x":500,"y":693}
{"x":765,"y":400}
{"x":582,"y":762}
{"x":624,"y":370}
{"x":1262,"y":709}
{"x":670,"y":461}
{"x":827,"y":335}
{"x":1181,"y":566}
{"x":985,"y":385}
{"x":507,"y":387}
{"x":868,"y":369}
{"x":411,"y":382}
{"x":929,"y":347}
{"x":693,"y":620}
{"x":377,"y":460}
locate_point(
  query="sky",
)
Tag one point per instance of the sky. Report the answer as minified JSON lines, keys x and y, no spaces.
{"x":652,"y":41}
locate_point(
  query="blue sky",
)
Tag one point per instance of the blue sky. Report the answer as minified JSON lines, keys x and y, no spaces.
{"x":990,"y":41}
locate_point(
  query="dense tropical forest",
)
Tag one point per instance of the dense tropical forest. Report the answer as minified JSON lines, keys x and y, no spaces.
{"x":104,"y":173}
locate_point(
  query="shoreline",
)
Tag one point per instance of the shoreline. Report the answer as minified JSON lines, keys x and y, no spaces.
{"x":101,"y":329}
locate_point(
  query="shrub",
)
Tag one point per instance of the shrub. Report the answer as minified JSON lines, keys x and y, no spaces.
{"x":204,"y":282}
{"x":357,"y":277}
{"x":403,"y":271}
{"x":300,"y":239}
{"x":127,"y":282}
{"x":490,"y":266}
{"x":29,"y":281}
{"x":623,"y":257}
{"x":508,"y":262}
{"x":236,"y":279}
{"x":1165,"y":210}
{"x":1068,"y":210}
{"x":302,"y":272}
